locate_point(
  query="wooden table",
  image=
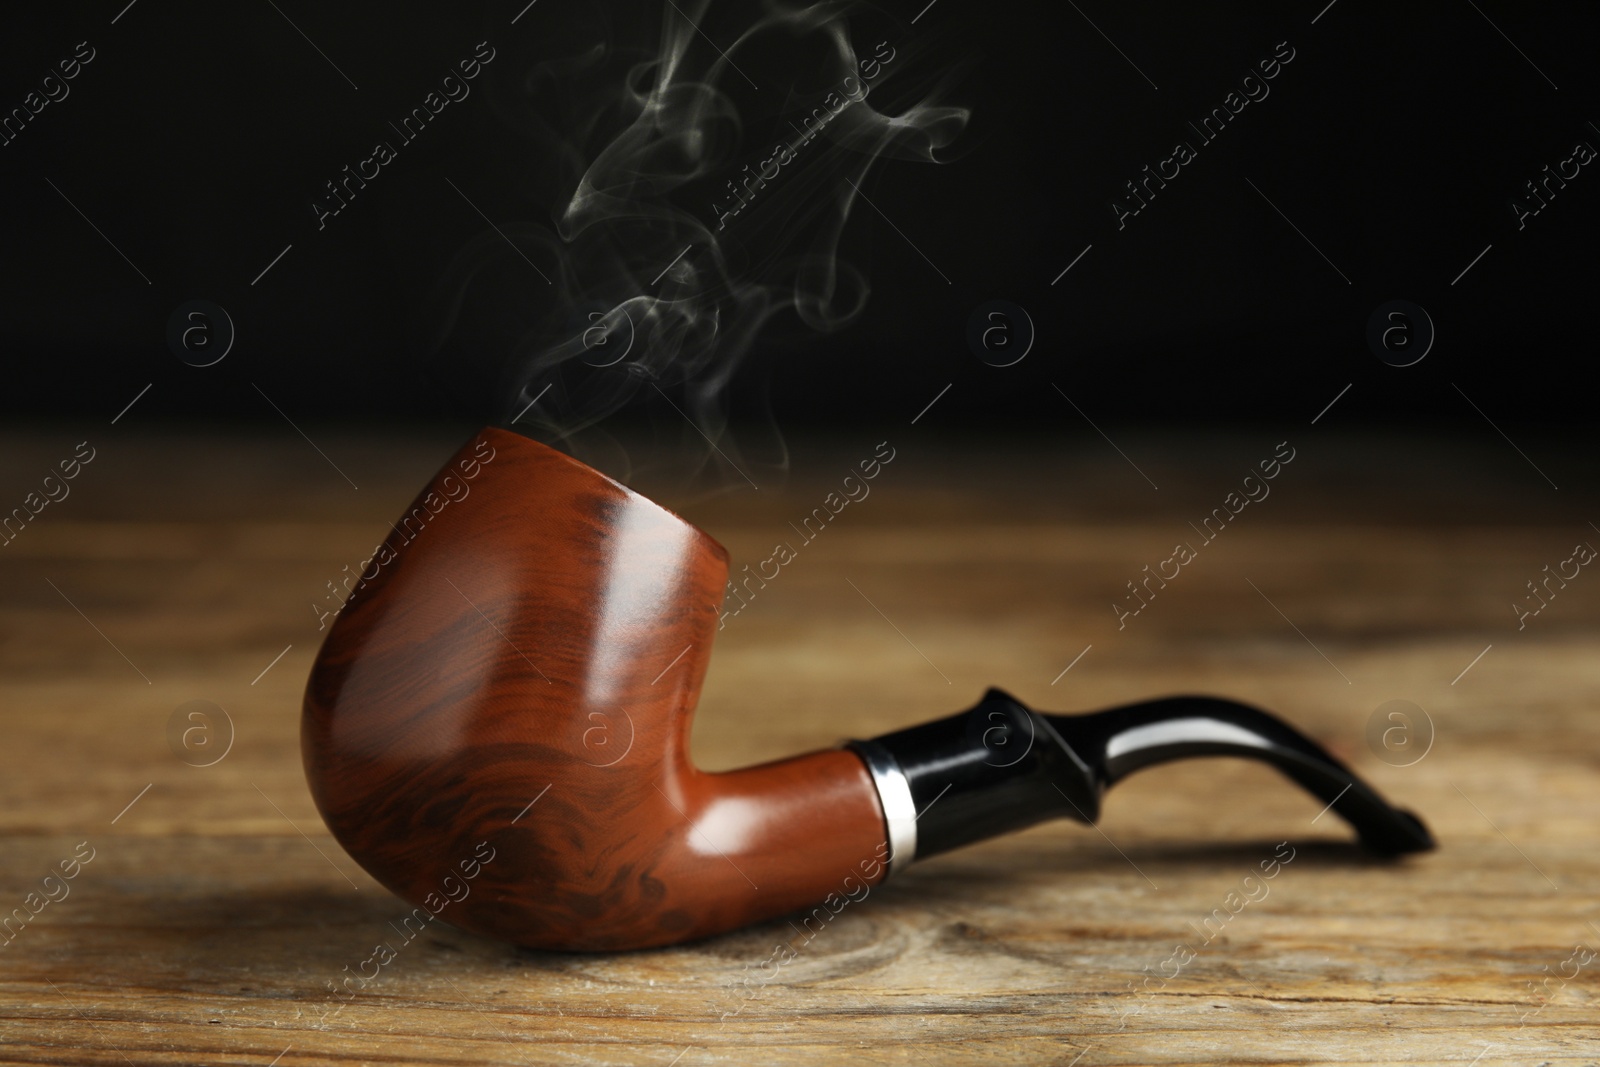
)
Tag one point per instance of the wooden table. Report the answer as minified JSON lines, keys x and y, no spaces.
{"x":216,"y":910}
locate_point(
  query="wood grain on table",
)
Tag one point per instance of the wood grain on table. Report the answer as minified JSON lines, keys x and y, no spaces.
{"x":216,"y":912}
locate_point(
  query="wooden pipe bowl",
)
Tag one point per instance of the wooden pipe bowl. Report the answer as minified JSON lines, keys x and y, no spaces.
{"x":497,"y":725}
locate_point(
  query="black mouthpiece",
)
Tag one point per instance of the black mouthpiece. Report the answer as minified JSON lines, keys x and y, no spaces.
{"x":1001,"y":766}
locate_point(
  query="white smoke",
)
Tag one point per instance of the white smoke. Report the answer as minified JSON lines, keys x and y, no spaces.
{"x":675,"y":240}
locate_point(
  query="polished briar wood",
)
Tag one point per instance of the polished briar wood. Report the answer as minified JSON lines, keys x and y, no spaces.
{"x":497,"y":726}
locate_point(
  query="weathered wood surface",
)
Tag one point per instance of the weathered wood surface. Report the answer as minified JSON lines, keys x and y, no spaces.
{"x":217,"y":910}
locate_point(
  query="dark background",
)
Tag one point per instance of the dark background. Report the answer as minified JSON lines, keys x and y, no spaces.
{"x":1395,"y":141}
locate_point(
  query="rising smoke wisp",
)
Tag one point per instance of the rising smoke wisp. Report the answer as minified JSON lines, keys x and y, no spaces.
{"x":702,"y":186}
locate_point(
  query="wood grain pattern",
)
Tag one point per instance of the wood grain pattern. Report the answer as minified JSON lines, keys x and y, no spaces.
{"x":218,"y":912}
{"x":505,"y":700}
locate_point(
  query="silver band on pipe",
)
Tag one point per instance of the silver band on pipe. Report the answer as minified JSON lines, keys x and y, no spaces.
{"x":894,"y":795}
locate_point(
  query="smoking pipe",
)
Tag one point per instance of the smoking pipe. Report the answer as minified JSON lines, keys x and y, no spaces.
{"x":497,"y":729}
